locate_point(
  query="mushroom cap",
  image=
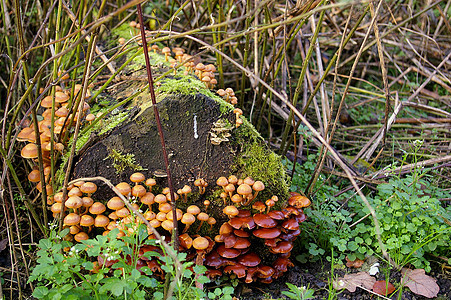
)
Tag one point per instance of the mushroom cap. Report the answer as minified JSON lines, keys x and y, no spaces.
{"x":260,"y":206}
{"x":56,"y":207}
{"x":188,"y":219}
{"x":86,"y":220}
{"x":239,"y":270}
{"x":217,"y":261}
{"x":258,"y":186}
{"x":282,"y":247}
{"x":166,"y":50}
{"x":138,"y":191}
{"x":148,"y":199}
{"x":124,"y":188}
{"x":222,"y":181}
{"x":225,"y":229}
{"x":267,"y":233}
{"x":155,"y":223}
{"x":74,"y":202}
{"x":236,"y":198}
{"x":221,"y":92}
{"x":58,"y":197}
{"x":75,"y":191}
{"x":186,"y":189}
{"x":290,"y":224}
{"x":161,"y":216}
{"x":167,"y":225}
{"x":46,"y":102}
{"x":137,"y":177}
{"x":123,"y":212}
{"x":249,"y":259}
{"x":229,"y":240}
{"x":81,"y":236}
{"x":193,"y":209}
{"x":115,"y":203}
{"x":61,"y":97}
{"x":242,"y":222}
{"x":90,"y":117}
{"x":160,"y":198}
{"x":228,"y":252}
{"x":299,"y":201}
{"x":264,"y":220}
{"x":29,"y":151}
{"x":34,"y":176}
{"x":200,"y":243}
{"x":281,"y":265}
{"x":178,"y":213}
{"x":276,"y":215}
{"x":185,"y":241}
{"x":150,"y":182}
{"x":230,"y":211}
{"x":149,"y":215}
{"x":202,"y":217}
{"x":88,"y":187}
{"x":101,"y":221}
{"x":230,"y":188}
{"x":165,"y":207}
{"x":200,"y":67}
{"x":241,"y":233}
{"x":242,"y":243}
{"x":244,"y":189}
{"x":265,"y":271}
{"x":71,"y":219}
{"x":97,"y":208}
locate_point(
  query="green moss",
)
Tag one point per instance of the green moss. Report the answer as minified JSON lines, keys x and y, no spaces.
{"x":123,"y":161}
{"x":260,"y":163}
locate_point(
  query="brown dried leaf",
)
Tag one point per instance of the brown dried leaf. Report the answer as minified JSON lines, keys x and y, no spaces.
{"x":3,"y":244}
{"x":352,"y":281}
{"x":420,"y":283}
{"x":357,"y":263}
{"x":383,"y":288}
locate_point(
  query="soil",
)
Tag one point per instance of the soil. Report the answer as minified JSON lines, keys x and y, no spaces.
{"x":316,"y":276}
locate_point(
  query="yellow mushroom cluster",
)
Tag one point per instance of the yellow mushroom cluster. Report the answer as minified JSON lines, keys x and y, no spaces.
{"x":64,"y":118}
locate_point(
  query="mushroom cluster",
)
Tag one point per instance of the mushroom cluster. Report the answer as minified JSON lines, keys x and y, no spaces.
{"x":61,"y":123}
{"x":276,"y":229}
{"x":228,"y":95}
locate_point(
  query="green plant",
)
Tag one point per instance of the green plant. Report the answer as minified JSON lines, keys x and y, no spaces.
{"x":299,"y":293}
{"x":77,"y":275}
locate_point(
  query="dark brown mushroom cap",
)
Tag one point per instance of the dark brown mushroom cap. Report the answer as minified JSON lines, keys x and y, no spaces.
{"x":212,"y":273}
{"x":238,"y":269}
{"x":241,"y":233}
{"x":243,"y":213}
{"x":290,"y":224}
{"x":276,"y":215}
{"x":282,"y":247}
{"x":299,"y":201}
{"x":301,"y":217}
{"x":281,"y":265}
{"x":228,"y":252}
{"x":265,"y":271}
{"x":225,"y":229}
{"x":264,"y":220}
{"x":242,"y":243}
{"x":185,"y":241}
{"x":290,"y":235}
{"x":249,"y":260}
{"x":243,"y":222}
{"x":216,"y":261}
{"x":229,"y":240}
{"x":251,"y":273}
{"x":271,"y":242}
{"x":290,"y":210}
{"x":267,"y":233}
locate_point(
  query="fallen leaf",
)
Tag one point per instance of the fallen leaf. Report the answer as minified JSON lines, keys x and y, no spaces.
{"x":383,"y":287}
{"x":357,"y":263}
{"x":3,"y":244}
{"x":420,"y":283}
{"x":352,"y":281}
